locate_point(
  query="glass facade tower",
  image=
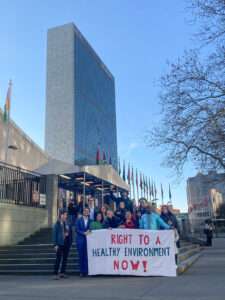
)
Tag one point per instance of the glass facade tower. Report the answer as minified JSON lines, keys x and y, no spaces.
{"x":80,"y":105}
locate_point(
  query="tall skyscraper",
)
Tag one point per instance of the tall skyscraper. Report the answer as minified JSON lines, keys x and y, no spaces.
{"x":80,"y":105}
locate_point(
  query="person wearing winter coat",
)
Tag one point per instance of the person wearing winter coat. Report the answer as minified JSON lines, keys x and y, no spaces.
{"x":151,"y":220}
{"x":62,"y":240}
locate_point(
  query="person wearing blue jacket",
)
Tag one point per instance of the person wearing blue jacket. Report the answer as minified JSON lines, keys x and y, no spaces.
{"x":151,"y":220}
{"x":82,"y":230}
{"x":62,"y":240}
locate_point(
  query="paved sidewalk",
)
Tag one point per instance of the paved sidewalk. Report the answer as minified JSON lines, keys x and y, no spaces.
{"x":204,"y":281}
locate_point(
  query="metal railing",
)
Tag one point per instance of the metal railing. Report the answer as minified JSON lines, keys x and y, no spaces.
{"x":21,"y":187}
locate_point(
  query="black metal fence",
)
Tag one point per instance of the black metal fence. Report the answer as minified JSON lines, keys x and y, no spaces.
{"x":21,"y":187}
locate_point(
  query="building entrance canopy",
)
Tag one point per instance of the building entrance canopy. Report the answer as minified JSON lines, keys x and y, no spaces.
{"x":93,"y":178}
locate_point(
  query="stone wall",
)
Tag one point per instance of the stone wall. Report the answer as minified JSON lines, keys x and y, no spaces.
{"x":18,"y":222}
{"x":27,"y":155}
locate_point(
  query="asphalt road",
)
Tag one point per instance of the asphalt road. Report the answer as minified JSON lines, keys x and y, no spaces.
{"x":203,"y":281}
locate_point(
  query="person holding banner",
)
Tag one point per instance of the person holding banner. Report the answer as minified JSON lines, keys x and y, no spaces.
{"x":62,"y":240}
{"x":169,"y":218}
{"x":82,"y":230}
{"x":151,"y":220}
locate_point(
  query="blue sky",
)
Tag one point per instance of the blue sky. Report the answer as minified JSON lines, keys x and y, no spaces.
{"x":134,"y":38}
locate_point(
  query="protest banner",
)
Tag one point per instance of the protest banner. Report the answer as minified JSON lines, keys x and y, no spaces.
{"x":131,"y":252}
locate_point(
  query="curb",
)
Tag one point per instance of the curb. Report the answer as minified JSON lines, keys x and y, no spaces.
{"x":185,"y":265}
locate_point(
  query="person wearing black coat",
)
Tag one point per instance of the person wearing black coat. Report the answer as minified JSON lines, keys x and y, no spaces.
{"x":62,"y":240}
{"x":208,"y":230}
{"x":169,"y":218}
{"x":121,"y":212}
{"x":110,"y":200}
{"x":111,"y":221}
{"x":128,"y":203}
{"x":72,"y":212}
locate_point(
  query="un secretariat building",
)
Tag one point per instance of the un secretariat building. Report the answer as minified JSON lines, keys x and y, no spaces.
{"x":80,"y":106}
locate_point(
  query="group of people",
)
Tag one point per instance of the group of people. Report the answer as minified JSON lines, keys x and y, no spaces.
{"x":115,"y":213}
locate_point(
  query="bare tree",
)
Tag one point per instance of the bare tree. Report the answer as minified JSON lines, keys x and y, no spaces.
{"x":193,"y":100}
{"x":211,"y":14}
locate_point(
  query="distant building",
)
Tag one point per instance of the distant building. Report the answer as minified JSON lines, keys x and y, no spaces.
{"x":205,"y":194}
{"x":80,"y":106}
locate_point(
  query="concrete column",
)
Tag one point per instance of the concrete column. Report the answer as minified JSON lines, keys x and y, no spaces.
{"x":52,"y":198}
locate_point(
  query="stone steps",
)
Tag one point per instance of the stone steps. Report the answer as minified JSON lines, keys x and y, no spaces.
{"x":39,"y":262}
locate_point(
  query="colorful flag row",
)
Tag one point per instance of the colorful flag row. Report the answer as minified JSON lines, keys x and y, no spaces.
{"x":141,"y":185}
{"x":102,"y":159}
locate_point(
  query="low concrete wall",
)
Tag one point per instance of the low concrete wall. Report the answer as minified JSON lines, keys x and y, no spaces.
{"x":18,"y":222}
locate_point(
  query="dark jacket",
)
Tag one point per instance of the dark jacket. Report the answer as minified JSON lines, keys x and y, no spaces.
{"x":109,"y":199}
{"x":72,"y":209}
{"x":120,"y":213}
{"x":142,"y":210}
{"x":170,"y":218}
{"x":62,"y":234}
{"x":111,"y":223}
{"x":81,"y":229}
{"x":128,"y":203}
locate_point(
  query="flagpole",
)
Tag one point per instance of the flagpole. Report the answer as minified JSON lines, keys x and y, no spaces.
{"x":134,"y":192}
{"x":137,"y":185}
{"x":137,"y":194}
{"x":7,"y":142}
{"x":8,"y":100}
{"x":170,"y":195}
{"x":162,"y":194}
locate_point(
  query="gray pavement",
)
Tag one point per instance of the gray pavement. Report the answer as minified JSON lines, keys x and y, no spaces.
{"x":205,"y":280}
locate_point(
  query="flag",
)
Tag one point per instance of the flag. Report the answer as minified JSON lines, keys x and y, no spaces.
{"x":98,"y":156}
{"x":104,"y":158}
{"x":132,"y":176}
{"x":146,"y":185}
{"x":128,"y":174}
{"x":149,"y":188}
{"x":143,"y":178}
{"x":124,"y":171}
{"x":155,"y":191}
{"x":152,"y":192}
{"x":137,"y":178}
{"x":119,"y":167}
{"x":146,"y":182}
{"x":170,"y":195}
{"x":141,"y":183}
{"x":8,"y":103}
{"x":162,"y":193}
